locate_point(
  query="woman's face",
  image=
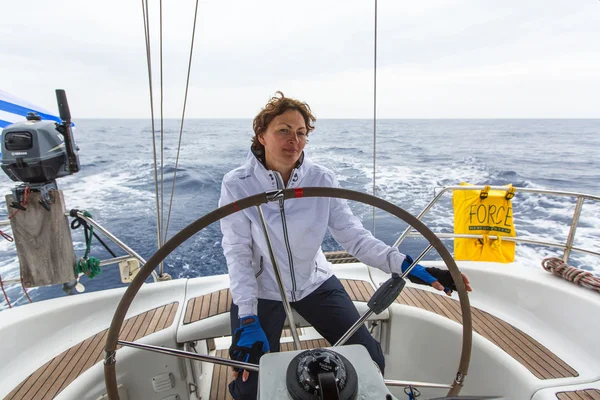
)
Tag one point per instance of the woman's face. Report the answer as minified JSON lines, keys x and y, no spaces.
{"x":284,"y":140}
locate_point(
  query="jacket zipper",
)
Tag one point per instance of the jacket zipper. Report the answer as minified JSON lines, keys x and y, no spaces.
{"x":317,"y":269}
{"x":285,"y":234}
{"x":260,"y":269}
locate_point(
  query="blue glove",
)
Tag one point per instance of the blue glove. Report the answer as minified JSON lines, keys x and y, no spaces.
{"x":426,"y":276}
{"x":249,"y":341}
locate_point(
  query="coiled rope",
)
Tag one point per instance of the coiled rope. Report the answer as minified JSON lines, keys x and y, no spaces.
{"x":89,"y":266}
{"x":578,"y":276}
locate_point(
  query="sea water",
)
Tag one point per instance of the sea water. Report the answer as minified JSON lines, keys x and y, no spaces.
{"x":415,"y":159}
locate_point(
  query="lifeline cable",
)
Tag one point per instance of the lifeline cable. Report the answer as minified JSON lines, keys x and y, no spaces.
{"x":77,"y":222}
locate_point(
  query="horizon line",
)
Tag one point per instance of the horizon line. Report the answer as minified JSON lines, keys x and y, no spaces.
{"x":361,"y":119}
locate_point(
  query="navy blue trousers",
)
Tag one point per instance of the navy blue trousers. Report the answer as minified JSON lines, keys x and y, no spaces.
{"x":328,"y":309}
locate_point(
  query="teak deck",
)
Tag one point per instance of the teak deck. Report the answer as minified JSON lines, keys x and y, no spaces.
{"x":51,"y":378}
{"x":587,"y":394}
{"x":529,"y":352}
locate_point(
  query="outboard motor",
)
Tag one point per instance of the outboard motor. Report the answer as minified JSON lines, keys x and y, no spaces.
{"x":36,"y":152}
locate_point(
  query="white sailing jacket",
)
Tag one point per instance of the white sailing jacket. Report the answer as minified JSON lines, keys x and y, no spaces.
{"x":296,"y":230}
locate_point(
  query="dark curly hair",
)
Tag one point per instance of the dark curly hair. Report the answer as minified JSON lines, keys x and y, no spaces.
{"x":278,"y":105}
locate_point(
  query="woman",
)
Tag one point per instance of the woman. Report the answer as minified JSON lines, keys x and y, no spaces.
{"x":296,"y":229}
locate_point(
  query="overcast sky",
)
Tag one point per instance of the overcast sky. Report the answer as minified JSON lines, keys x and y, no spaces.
{"x":436,"y":58}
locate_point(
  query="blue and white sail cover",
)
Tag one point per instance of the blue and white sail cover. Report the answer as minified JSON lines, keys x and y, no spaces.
{"x":13,"y":109}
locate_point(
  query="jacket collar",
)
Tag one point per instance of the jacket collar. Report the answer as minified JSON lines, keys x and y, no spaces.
{"x":266,"y":176}
{"x":260,"y":156}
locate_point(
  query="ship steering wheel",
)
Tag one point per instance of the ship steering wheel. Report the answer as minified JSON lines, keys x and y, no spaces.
{"x":110,"y":376}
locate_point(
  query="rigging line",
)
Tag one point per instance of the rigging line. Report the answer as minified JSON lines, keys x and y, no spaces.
{"x":146,"y":19}
{"x":162,"y":143}
{"x":374,"y":110}
{"x":374,"y":119}
{"x":187,"y":84}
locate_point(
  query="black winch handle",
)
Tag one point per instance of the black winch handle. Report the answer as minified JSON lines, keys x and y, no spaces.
{"x":386,"y":294}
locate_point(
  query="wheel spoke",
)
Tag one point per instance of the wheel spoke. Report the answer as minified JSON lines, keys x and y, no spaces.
{"x":189,"y":354}
{"x":392,"y":382}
